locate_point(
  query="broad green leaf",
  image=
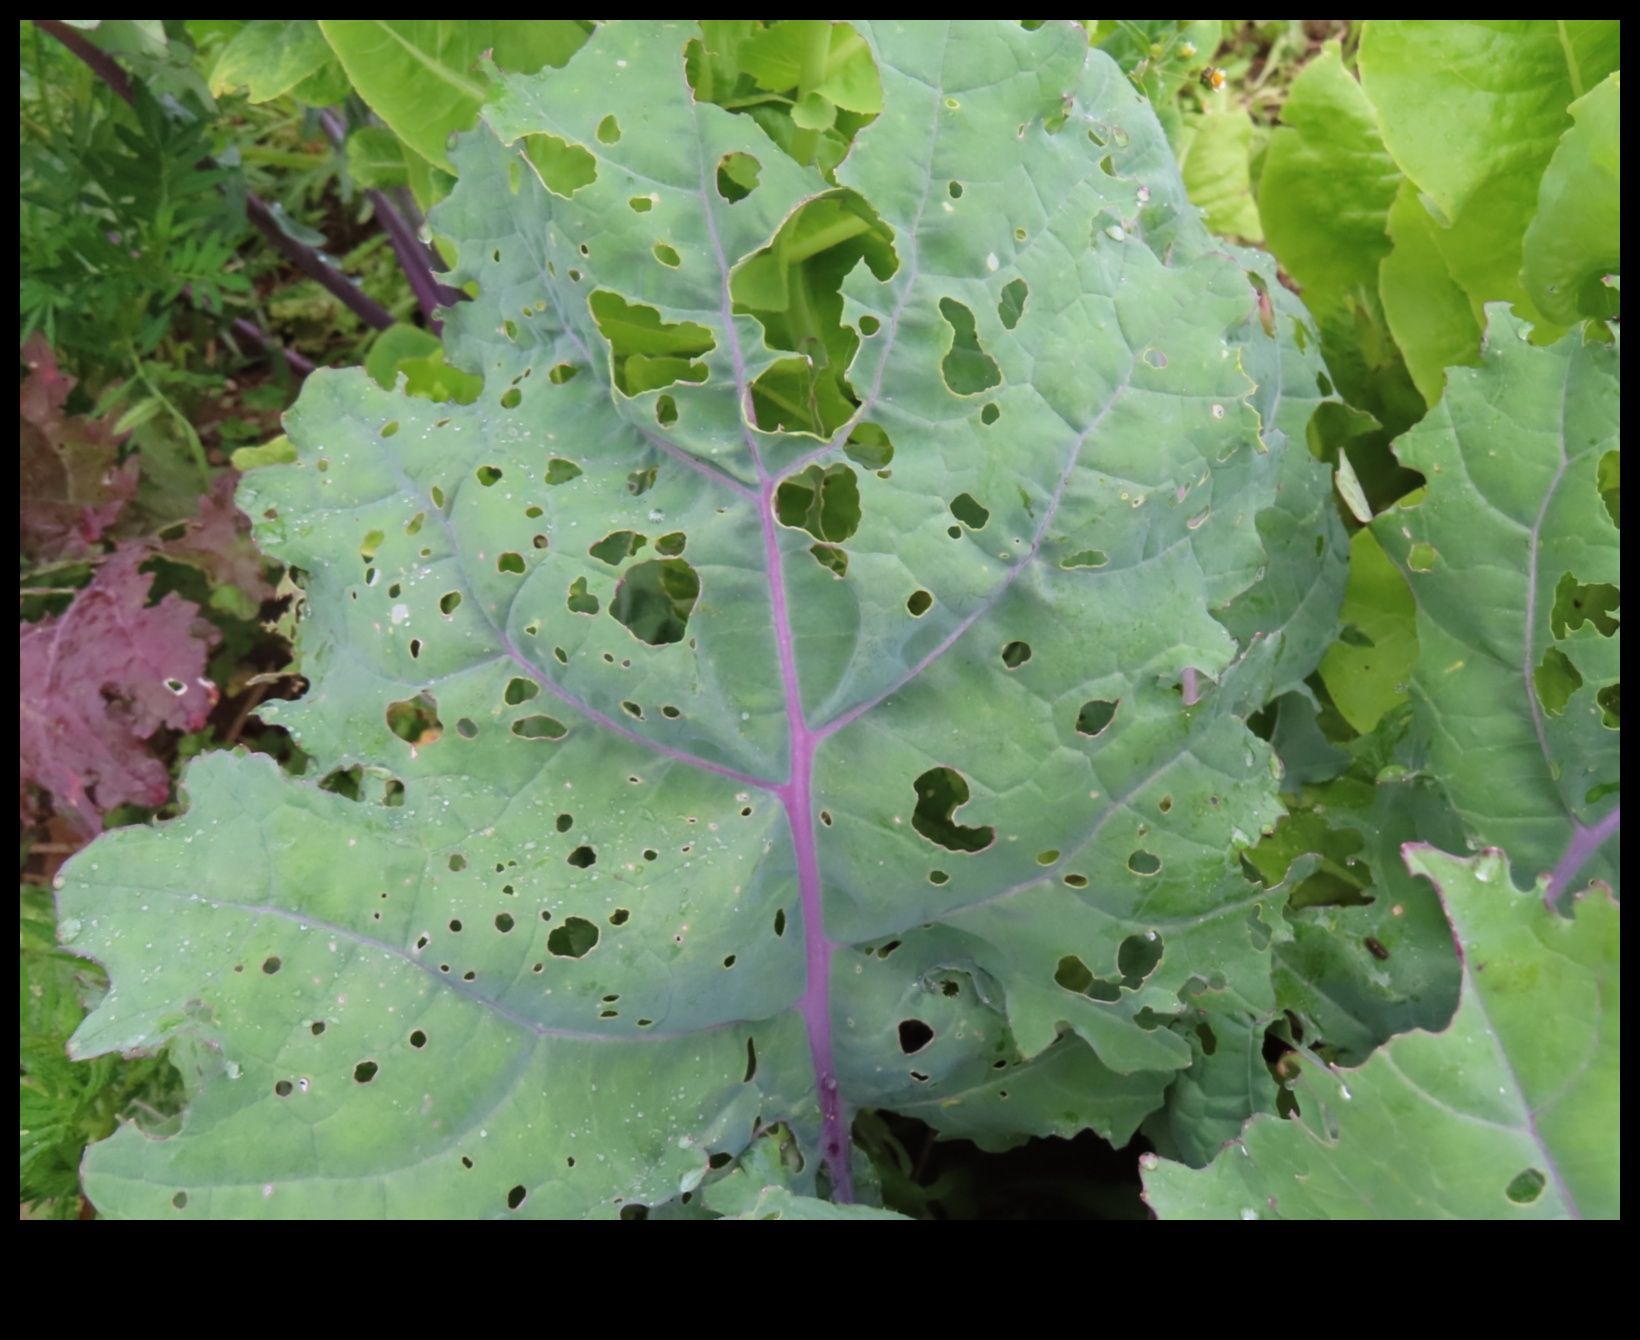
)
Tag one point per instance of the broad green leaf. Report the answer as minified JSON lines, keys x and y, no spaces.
{"x":1324,"y":198}
{"x":1434,"y":321}
{"x":1511,"y":1112}
{"x":1498,"y":92}
{"x":1213,"y":155}
{"x":269,"y":57}
{"x":1575,"y":239}
{"x":1513,"y":560}
{"x":375,"y":158}
{"x":1328,"y":184}
{"x":423,"y":77}
{"x":1369,"y":952}
{"x":1367,"y":670}
{"x":714,"y":777}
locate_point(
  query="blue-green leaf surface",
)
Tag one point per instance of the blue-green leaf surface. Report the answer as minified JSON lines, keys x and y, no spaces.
{"x":713,"y":776}
{"x":1512,"y":555}
{"x":1510,"y":1112}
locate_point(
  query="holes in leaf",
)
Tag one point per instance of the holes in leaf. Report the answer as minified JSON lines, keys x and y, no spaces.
{"x":369,"y":545}
{"x":1143,"y":862}
{"x":511,"y":563}
{"x":940,"y":793}
{"x":823,"y":501}
{"x":618,"y":546}
{"x":1610,"y":702}
{"x":869,"y":325}
{"x":1047,"y":857}
{"x":780,"y":922}
{"x":914,"y":1036}
{"x":561,"y":373}
{"x":271,"y":964}
{"x":539,"y":727}
{"x":539,"y":541}
{"x":1526,"y":1186}
{"x":868,"y":445}
{"x":1421,"y":557}
{"x":1136,"y":959}
{"x":1015,"y":654}
{"x":512,"y":398}
{"x":364,"y":1072}
{"x":609,"y":130}
{"x":968,"y":510}
{"x":415,"y":648}
{"x":1012,"y":305}
{"x":516,"y":1196}
{"x":632,"y":710}
{"x":989,"y":415}
{"x":576,"y":938}
{"x":582,"y":857}
{"x":647,"y":352}
{"x":1556,"y":679}
{"x":563,"y":168}
{"x":390,"y":428}
{"x":579,"y":600}
{"x":639,"y":482}
{"x":415,"y":720}
{"x":938,"y":877}
{"x":1609,"y":480}
{"x":967,"y":368}
{"x":751,"y":1061}
{"x":488,"y":475}
{"x":641,"y":204}
{"x":1576,"y":605}
{"x":284,"y":1088}
{"x":1076,"y":881}
{"x":737,"y":176}
{"x":654,"y":600}
{"x":619,"y":917}
{"x":811,"y":254}
{"x":667,"y":255}
{"x":919,"y":603}
{"x":1086,"y":558}
{"x":457,"y":862}
{"x":565,"y":822}
{"x":1095,"y":715}
{"x":666,"y":411}
{"x":449,"y":602}
{"x":672,"y":544}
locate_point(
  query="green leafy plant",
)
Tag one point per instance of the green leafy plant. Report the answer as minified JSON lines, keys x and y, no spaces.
{"x":861,"y":651}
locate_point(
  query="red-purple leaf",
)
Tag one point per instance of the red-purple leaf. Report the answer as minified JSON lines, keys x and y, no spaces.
{"x":98,"y":680}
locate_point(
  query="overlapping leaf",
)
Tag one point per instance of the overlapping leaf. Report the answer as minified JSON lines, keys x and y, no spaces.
{"x":1510,"y":1112}
{"x":1513,"y":557}
{"x":734,"y":776}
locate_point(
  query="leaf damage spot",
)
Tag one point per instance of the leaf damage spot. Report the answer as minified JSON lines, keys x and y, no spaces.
{"x":576,"y":938}
{"x":823,"y":501}
{"x":539,"y":727}
{"x":563,"y":168}
{"x":941,"y":792}
{"x":1095,"y":715}
{"x":655,"y":599}
{"x":967,"y":368}
{"x":737,"y":176}
{"x":914,"y":1035}
{"x":647,"y":353}
{"x":415,"y":720}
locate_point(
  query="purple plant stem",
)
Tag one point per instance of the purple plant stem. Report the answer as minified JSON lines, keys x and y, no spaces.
{"x":252,"y":333}
{"x":303,"y":257}
{"x":1585,"y":842}
{"x":797,"y":795}
{"x":415,"y":258}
